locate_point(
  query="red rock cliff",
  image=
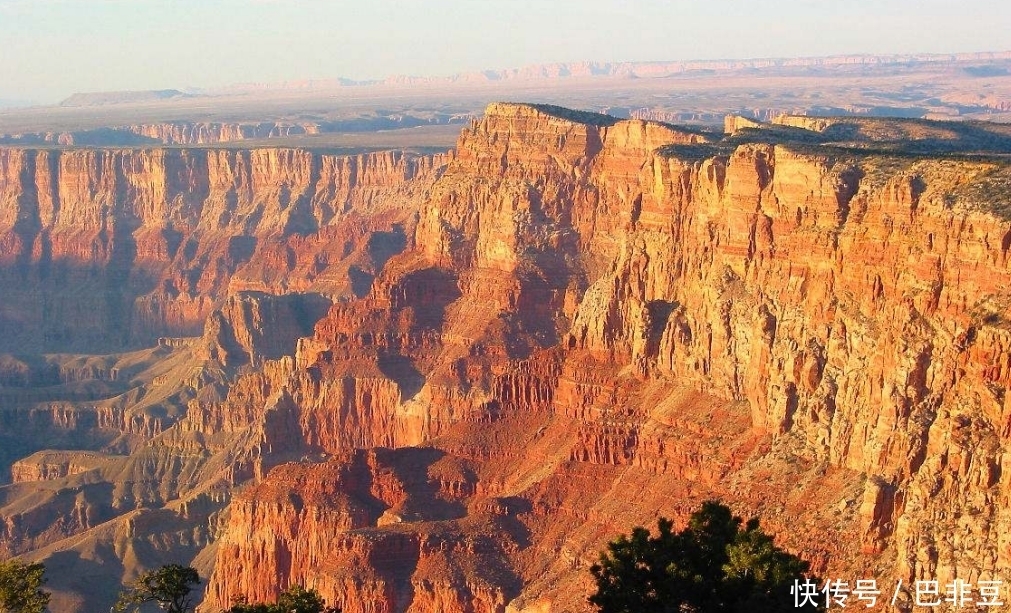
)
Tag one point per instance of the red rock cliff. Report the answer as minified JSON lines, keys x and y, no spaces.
{"x":813,"y":336}
{"x":571,"y":326}
{"x":102,"y":249}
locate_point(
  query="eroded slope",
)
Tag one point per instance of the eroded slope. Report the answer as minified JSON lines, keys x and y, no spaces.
{"x":573,"y":326}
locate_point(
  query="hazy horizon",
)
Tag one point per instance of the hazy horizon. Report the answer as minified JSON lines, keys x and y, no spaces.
{"x":55,"y":48}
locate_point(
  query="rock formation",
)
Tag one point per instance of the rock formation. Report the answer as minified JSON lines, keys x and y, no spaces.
{"x":442,"y":384}
{"x":195,"y":133}
{"x":106,"y":249}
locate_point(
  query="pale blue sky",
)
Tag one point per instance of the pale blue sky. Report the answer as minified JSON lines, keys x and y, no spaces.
{"x":52,"y":48}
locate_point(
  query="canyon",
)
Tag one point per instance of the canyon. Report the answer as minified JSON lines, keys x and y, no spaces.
{"x":442,"y":382}
{"x":215,"y":132}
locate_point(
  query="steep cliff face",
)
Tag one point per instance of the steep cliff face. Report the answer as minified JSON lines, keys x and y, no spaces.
{"x":859,"y":316}
{"x":383,"y":506}
{"x":203,"y":133}
{"x":142,"y":472}
{"x":570,"y":326}
{"x":199,"y":133}
{"x":840,"y":314}
{"x":104,"y":249}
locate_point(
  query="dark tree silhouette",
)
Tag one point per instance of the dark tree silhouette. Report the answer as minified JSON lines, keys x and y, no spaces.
{"x":712,"y":565}
{"x":295,"y":599}
{"x":169,"y":586}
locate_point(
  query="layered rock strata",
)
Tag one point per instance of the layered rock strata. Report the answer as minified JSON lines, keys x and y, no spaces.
{"x":106,"y":249}
{"x":575,"y":325}
{"x":838,"y":312}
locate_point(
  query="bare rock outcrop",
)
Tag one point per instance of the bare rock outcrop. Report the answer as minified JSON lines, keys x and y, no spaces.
{"x":571,"y":325}
{"x":832,"y":301}
{"x":106,"y":249}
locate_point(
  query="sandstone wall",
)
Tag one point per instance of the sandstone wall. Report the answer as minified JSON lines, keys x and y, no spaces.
{"x":563,"y":330}
{"x":104,"y":249}
{"x":849,"y":305}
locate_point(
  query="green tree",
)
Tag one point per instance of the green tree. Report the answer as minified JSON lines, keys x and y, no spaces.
{"x":21,"y":587}
{"x":712,"y":565}
{"x":295,"y":599}
{"x":169,"y":586}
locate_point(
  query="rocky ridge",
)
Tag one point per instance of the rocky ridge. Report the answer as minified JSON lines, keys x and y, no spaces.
{"x":163,"y":234}
{"x":568,"y":327}
{"x":195,"y":133}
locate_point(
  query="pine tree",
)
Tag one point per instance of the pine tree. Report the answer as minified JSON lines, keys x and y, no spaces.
{"x":169,"y":586}
{"x":295,"y":599}
{"x":21,"y":587}
{"x":712,"y":565}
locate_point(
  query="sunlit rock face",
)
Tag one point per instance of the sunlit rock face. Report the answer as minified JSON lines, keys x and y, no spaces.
{"x":107,"y":249}
{"x":442,"y":384}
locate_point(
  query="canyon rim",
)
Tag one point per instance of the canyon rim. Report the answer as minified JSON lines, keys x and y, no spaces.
{"x":443,"y":381}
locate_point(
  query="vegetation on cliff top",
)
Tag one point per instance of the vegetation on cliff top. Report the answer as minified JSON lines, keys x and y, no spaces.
{"x":711,"y":565}
{"x":21,"y":587}
{"x":295,"y":599}
{"x":586,"y":117}
{"x":169,"y":586}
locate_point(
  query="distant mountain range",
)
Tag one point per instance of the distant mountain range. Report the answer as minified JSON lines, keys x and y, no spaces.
{"x":554,"y":71}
